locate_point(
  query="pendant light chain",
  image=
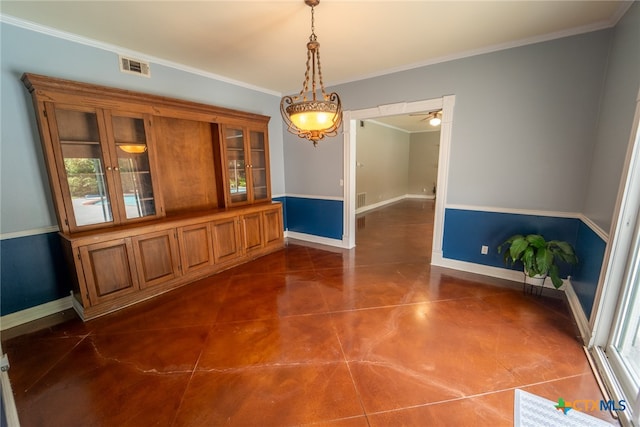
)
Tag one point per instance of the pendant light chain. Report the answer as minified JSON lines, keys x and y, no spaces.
{"x":313,"y":25}
{"x":305,"y":84}
{"x":313,"y":38}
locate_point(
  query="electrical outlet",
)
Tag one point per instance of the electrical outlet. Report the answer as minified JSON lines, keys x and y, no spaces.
{"x":484,"y":250}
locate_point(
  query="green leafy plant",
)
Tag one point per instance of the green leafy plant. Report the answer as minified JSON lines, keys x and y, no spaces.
{"x":539,"y":257}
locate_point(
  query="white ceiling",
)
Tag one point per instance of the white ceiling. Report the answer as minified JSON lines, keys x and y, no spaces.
{"x":263,"y":43}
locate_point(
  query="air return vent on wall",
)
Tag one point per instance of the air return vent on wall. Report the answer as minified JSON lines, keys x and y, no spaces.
{"x":134,"y":66}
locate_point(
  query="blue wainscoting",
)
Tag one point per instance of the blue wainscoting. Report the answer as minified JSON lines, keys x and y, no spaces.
{"x":466,"y":231}
{"x":33,"y":270}
{"x":590,"y":248}
{"x":283,"y":201}
{"x":319,"y":217}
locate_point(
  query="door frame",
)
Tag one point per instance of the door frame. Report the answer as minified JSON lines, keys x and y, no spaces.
{"x":617,"y":254}
{"x":350,"y":118}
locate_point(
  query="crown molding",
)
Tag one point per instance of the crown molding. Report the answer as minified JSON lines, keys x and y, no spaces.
{"x":601,"y":25}
{"x":119,"y":50}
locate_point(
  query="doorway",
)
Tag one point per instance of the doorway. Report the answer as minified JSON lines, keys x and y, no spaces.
{"x":351,"y":120}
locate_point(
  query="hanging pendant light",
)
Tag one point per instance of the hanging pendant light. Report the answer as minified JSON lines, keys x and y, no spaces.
{"x":309,"y":114}
{"x":435,"y":118}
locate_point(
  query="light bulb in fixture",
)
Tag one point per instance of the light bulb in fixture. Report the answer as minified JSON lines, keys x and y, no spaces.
{"x":435,"y":118}
{"x":134,"y":148}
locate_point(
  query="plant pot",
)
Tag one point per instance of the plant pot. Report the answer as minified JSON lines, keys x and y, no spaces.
{"x":537,"y":280}
{"x":533,"y":285}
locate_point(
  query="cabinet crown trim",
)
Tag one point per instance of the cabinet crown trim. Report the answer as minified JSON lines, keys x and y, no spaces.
{"x":49,"y":86}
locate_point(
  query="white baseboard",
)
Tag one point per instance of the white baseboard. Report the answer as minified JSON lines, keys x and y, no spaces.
{"x":486,"y":270}
{"x":383,"y":203}
{"x":316,"y":239}
{"x":34,"y":313}
{"x":578,"y":313}
{"x":420,"y":196}
{"x":393,"y":200}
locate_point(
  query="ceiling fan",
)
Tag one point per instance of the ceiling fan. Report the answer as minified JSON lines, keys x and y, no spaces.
{"x":434,"y":117}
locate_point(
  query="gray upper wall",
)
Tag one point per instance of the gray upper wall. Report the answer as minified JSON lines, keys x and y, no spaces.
{"x":25,"y":198}
{"x":536,"y":105}
{"x":615,"y":120}
{"x":523,"y":124}
{"x":382,"y":154}
{"x":423,"y":163}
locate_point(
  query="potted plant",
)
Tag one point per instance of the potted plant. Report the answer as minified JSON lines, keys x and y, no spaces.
{"x":539,"y":257}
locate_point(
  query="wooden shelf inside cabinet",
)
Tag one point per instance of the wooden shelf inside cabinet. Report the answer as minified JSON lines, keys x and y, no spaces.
{"x":69,"y":141}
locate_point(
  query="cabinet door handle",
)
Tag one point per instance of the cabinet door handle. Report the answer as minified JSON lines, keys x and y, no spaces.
{"x":116,"y":168}
{"x":109,"y":168}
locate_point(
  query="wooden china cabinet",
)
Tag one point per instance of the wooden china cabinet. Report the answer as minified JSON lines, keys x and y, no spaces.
{"x":151,"y":193}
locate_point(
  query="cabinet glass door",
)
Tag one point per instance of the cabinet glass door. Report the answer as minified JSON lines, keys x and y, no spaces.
{"x":133,"y":165}
{"x":258,"y":165}
{"x":235,"y":161}
{"x":84,"y":166}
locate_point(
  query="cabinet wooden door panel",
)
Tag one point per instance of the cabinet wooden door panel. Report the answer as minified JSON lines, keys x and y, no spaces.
{"x":157,"y":257}
{"x":109,"y":270}
{"x":226,"y":239}
{"x":273,"y":229}
{"x":252,"y":230}
{"x":187,"y":164}
{"x":196,"y":247}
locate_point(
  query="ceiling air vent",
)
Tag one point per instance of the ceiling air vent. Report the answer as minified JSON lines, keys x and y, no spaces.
{"x":134,"y":66}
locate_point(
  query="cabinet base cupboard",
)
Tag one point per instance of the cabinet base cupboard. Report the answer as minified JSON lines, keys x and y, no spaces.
{"x":151,"y":193}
